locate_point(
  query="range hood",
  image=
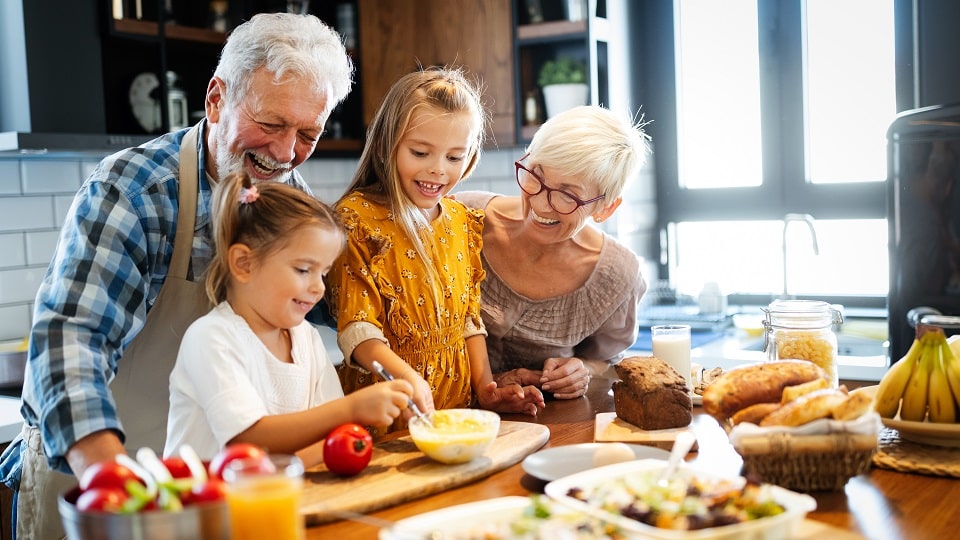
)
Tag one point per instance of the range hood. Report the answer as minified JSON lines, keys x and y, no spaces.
{"x":43,"y":143}
{"x":52,"y":97}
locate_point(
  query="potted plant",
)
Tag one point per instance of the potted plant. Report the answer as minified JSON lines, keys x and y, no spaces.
{"x":564,"y":84}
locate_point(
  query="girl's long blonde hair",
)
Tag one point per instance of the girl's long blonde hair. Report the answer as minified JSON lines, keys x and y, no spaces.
{"x":442,"y":89}
{"x":262,"y":218}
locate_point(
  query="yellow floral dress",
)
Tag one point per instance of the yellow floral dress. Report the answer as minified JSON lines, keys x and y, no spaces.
{"x":379,"y":285}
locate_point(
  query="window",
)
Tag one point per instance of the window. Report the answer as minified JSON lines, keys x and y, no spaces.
{"x":780,"y":111}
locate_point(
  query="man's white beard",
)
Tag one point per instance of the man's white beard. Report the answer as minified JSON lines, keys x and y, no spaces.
{"x":228,"y":162}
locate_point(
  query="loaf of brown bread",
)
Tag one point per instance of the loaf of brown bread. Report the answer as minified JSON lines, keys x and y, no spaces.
{"x":651,"y":395}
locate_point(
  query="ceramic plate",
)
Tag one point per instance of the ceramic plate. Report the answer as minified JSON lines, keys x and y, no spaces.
{"x":696,"y":398}
{"x":926,"y":432}
{"x":489,"y":519}
{"x":462,"y":516}
{"x":554,"y":463}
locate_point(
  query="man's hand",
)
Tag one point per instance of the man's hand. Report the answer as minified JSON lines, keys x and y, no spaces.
{"x":94,"y":448}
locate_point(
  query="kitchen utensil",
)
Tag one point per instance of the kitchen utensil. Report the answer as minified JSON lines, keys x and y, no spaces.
{"x":378,"y":367}
{"x":681,"y":447}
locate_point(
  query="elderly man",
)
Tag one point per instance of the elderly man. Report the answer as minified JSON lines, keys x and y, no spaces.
{"x":126,"y":279}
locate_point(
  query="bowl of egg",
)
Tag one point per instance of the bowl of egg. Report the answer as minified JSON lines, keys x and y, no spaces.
{"x":455,"y":435}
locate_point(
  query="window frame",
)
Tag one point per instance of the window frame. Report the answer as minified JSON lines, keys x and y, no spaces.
{"x":781,"y":122}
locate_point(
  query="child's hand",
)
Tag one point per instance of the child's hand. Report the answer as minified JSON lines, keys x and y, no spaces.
{"x":422,"y":395}
{"x":380,"y":404}
{"x":510,"y":398}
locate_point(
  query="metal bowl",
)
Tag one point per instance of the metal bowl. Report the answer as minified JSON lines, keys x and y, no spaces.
{"x":207,"y":521}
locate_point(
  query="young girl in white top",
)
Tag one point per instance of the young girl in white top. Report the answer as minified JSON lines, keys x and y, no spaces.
{"x":253,"y":370}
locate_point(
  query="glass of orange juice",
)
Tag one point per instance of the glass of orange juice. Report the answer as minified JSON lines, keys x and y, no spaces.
{"x":264,"y":498}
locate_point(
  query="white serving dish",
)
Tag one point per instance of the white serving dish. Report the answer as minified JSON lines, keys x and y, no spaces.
{"x":781,"y":526}
{"x":464,"y":520}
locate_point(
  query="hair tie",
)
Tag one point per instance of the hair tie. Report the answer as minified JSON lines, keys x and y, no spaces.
{"x":249,"y":195}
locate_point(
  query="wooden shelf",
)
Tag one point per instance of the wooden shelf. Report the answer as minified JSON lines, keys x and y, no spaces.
{"x":339,"y":145}
{"x":551,"y":30}
{"x":172,"y":31}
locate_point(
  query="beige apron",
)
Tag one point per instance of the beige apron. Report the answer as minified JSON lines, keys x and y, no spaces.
{"x":141,"y":388}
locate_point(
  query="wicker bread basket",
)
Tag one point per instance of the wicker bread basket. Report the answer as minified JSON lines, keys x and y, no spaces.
{"x":822,"y":459}
{"x":807,"y":462}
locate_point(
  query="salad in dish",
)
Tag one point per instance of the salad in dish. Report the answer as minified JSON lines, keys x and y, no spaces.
{"x":684,"y":502}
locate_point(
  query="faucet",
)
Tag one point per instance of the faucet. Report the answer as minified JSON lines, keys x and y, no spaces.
{"x":804,"y":218}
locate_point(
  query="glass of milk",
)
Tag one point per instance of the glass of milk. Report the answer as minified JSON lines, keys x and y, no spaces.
{"x":671,"y":343}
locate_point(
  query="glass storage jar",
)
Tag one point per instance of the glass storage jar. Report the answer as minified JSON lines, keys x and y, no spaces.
{"x":803,"y":329}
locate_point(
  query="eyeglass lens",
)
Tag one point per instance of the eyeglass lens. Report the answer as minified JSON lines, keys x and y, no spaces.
{"x":559,"y":200}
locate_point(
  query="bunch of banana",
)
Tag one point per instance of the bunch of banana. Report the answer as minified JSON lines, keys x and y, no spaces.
{"x":925,"y":383}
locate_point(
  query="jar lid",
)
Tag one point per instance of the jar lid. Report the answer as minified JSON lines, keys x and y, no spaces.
{"x":805,"y":311}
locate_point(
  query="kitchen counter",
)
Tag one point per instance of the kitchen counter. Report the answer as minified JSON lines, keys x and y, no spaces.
{"x":10,"y":419}
{"x":733,"y":349}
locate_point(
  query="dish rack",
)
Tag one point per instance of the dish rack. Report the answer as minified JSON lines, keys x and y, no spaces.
{"x":807,"y":462}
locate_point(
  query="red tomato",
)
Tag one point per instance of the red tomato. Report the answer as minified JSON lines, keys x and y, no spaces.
{"x":232,"y":452}
{"x":210,"y":491}
{"x":107,"y":474}
{"x":177,"y":467}
{"x":347,"y":449}
{"x":102,"y":499}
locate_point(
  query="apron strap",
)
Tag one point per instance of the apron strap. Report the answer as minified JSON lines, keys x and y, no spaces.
{"x":187,"y":213}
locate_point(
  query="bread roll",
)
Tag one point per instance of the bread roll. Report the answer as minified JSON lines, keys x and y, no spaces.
{"x":858,"y":403}
{"x":756,"y":383}
{"x":806,"y":408}
{"x":791,"y":393}
{"x":754,"y":413}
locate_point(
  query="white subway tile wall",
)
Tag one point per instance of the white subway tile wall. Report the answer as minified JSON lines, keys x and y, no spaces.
{"x":36,"y":193}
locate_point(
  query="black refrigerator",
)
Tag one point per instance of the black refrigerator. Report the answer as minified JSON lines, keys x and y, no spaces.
{"x":923,"y":164}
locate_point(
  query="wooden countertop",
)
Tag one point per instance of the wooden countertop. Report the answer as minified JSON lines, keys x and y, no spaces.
{"x":881,"y":504}
{"x":10,"y":420}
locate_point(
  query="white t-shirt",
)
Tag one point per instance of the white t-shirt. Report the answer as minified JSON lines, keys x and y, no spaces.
{"x":225,"y":379}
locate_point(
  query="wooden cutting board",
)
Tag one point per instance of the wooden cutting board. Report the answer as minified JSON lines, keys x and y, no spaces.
{"x":609,"y":428}
{"x":398,"y":472}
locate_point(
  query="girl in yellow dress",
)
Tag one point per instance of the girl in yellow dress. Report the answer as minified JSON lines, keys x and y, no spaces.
{"x":406,"y":291}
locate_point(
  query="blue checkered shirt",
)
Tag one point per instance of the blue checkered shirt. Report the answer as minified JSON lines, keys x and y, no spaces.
{"x":111,"y":260}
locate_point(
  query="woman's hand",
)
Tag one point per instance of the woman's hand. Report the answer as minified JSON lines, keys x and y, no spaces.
{"x":511,"y":398}
{"x":565,"y":378}
{"x":520,"y":376}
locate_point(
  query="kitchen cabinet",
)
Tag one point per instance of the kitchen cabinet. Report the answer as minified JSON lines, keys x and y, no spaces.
{"x":597,"y":36}
{"x":159,"y":36}
{"x":402,"y":35}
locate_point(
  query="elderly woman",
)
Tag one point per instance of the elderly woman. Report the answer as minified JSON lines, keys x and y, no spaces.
{"x":560,"y":297}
